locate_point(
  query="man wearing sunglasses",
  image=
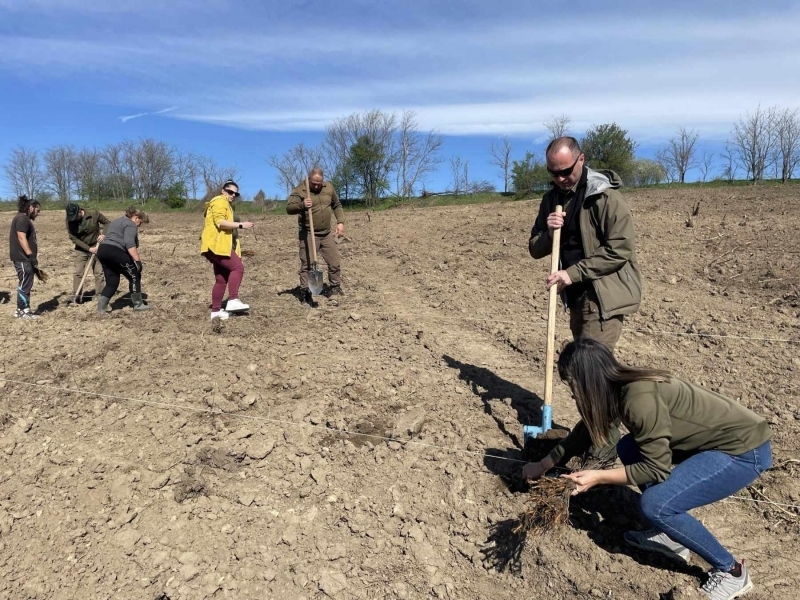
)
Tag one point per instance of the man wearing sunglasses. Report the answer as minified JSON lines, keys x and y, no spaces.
{"x":598,"y":277}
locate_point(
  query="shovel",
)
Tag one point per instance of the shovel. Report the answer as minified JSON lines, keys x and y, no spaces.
{"x":314,"y":272}
{"x":532,"y":431}
{"x":79,"y":291}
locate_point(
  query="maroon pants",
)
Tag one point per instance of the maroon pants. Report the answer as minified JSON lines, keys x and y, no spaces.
{"x":228,"y":272}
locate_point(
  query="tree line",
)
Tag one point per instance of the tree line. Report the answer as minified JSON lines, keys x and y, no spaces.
{"x":129,"y":170}
{"x":375,"y":155}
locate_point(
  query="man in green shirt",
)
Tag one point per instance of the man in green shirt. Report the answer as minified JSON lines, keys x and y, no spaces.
{"x":86,"y":230}
{"x":323,"y":203}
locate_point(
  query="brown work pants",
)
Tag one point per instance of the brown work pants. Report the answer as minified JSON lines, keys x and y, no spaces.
{"x":328,"y":249}
{"x":80,"y":258}
{"x":585,"y":321}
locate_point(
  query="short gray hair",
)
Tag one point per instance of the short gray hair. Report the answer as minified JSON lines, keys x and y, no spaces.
{"x":316,"y":171}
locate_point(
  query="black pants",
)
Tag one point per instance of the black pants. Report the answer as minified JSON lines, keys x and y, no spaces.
{"x":25,"y":276}
{"x":116,"y":262}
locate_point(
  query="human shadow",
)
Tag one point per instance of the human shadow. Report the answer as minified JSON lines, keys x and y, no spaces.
{"x":606,"y":513}
{"x":489,"y":386}
{"x":124,"y":300}
{"x":49,"y":305}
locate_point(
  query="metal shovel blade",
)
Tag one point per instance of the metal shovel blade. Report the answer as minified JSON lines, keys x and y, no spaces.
{"x":315,"y":280}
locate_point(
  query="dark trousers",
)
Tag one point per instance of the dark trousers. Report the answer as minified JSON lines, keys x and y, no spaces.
{"x":328,"y":249}
{"x":79,"y":266}
{"x":25,"y":276}
{"x":116,"y":262}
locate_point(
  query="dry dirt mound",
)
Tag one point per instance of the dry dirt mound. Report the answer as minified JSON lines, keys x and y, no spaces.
{"x":157,"y":456}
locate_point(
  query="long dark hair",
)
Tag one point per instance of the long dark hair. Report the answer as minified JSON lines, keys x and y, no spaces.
{"x":24,"y":203}
{"x":596,"y":379}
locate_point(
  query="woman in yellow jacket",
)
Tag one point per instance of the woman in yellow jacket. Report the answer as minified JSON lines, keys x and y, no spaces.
{"x":219,"y":243}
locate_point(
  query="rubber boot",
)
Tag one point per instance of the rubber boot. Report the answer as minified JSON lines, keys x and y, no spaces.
{"x":138,"y":303}
{"x":102,"y":305}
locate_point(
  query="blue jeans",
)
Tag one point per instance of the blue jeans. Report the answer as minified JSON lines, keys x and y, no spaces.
{"x":701,"y":479}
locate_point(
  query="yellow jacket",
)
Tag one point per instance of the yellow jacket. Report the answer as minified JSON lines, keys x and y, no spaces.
{"x":213,"y":239}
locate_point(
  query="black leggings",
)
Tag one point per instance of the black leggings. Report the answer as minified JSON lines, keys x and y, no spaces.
{"x":116,"y":262}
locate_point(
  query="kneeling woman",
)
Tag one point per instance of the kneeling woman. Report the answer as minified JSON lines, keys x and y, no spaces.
{"x":717,"y":445}
{"x":119,"y":255}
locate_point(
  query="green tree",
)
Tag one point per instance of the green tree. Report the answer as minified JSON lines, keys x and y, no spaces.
{"x":608,"y":146}
{"x":529,"y":175}
{"x":371,"y":166}
{"x":647,"y":172}
{"x":176,"y":195}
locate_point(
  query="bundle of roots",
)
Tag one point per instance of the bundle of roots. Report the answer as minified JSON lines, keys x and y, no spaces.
{"x":40,"y":275}
{"x":548,"y":501}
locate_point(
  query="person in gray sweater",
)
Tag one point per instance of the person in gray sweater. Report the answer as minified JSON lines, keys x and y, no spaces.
{"x":119,"y":255}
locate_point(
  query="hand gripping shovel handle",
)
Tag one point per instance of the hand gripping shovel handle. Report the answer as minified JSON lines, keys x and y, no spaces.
{"x":551,"y":320}
{"x":79,"y":291}
{"x":311,"y":228}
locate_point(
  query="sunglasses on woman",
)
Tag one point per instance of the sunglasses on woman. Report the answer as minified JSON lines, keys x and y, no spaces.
{"x":563,"y":172}
{"x":232,"y":193}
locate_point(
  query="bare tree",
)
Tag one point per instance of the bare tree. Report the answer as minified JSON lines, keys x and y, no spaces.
{"x":501,"y":158}
{"x":680,"y":153}
{"x":184,"y":172}
{"x":214,"y":176}
{"x":558,"y":126}
{"x":754,"y":140}
{"x":88,"y":174}
{"x":295,"y":164}
{"x":59,"y":167}
{"x":417,"y":155}
{"x":664,"y":159}
{"x":154,"y":166}
{"x":705,"y":164}
{"x":459,"y":171}
{"x":117,"y":171}
{"x":787,"y":145}
{"x":24,"y":172}
{"x":729,"y":161}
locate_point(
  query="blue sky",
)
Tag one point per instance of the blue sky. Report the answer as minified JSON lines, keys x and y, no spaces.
{"x":243,"y":80}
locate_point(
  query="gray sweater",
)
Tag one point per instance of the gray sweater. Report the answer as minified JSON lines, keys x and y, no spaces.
{"x":122,"y":233}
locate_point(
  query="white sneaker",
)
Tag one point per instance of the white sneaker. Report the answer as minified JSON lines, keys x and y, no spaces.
{"x":236,"y":305}
{"x":25,"y":314}
{"x":222,"y":315}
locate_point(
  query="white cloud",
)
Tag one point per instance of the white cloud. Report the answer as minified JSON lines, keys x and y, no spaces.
{"x":649,"y":75}
{"x":127,"y":118}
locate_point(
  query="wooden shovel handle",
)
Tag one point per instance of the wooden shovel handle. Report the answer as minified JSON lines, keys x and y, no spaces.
{"x":551,"y":318}
{"x":89,"y":263}
{"x":311,"y":227}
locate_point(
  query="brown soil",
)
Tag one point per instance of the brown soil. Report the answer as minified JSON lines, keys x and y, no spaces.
{"x":118,"y":480}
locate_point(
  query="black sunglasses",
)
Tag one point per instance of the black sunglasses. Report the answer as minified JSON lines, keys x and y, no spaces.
{"x":563,"y":172}
{"x":232,"y":193}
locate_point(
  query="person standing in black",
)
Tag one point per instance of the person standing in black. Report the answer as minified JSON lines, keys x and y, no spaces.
{"x":24,"y":253}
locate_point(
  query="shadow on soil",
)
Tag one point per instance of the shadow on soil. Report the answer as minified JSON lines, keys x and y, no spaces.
{"x":49,"y":305}
{"x":488,"y":387}
{"x":605,"y":514}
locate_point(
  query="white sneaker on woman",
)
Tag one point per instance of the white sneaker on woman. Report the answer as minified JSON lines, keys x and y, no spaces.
{"x":222,"y":315}
{"x":236,"y":305}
